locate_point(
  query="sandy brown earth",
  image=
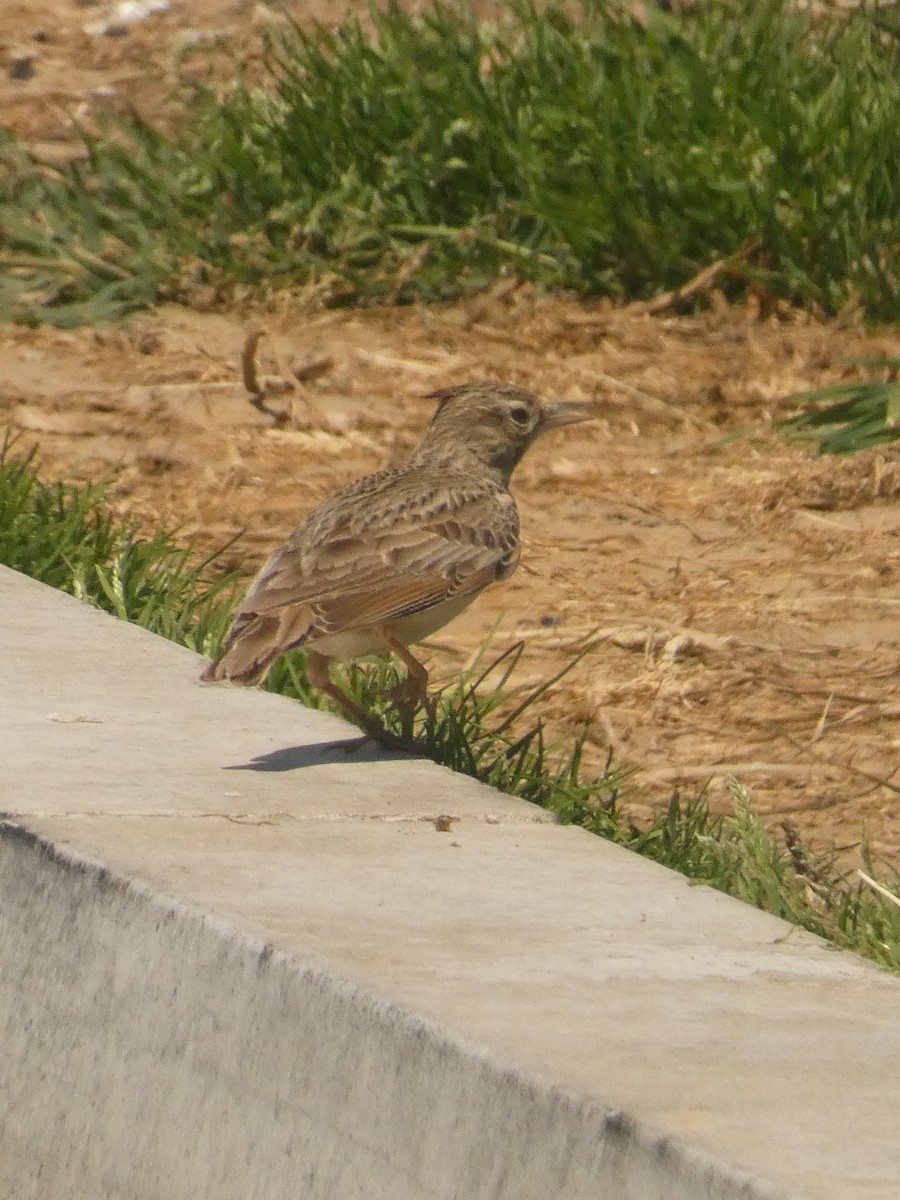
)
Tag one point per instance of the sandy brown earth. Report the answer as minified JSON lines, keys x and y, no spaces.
{"x":743,"y":595}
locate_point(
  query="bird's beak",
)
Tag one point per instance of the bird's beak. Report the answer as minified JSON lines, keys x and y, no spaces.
{"x":566,"y":412}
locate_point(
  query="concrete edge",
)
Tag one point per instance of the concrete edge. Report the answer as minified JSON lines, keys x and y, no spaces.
{"x":307,"y":1083}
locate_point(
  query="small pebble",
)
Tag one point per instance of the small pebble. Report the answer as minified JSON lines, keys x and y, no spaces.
{"x":21,"y":67}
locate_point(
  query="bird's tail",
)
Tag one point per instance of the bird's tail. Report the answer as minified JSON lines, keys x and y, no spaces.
{"x":254,"y":641}
{"x":229,"y":669}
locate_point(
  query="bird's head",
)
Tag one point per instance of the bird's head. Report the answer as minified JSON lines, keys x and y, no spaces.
{"x":495,"y":422}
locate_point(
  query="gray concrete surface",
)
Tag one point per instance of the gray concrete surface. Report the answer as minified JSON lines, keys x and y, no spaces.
{"x":237,"y":963}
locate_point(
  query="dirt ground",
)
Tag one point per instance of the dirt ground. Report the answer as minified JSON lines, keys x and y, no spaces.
{"x":743,"y":595}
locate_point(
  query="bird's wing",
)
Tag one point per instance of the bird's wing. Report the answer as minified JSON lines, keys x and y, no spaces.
{"x":395,"y":554}
{"x":367,"y":557}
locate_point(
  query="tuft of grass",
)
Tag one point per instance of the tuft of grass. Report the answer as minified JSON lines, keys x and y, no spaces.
{"x":479,"y":726}
{"x":419,"y":155}
{"x":866,"y":412}
{"x":483,"y":724}
{"x":64,"y":536}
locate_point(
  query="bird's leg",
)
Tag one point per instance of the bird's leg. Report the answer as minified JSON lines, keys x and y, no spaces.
{"x":317,"y":674}
{"x":411,"y":692}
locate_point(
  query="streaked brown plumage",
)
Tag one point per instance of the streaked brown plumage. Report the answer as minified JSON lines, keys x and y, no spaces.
{"x":387,"y":560}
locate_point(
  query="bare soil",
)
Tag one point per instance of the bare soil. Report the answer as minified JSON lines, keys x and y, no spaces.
{"x":743,"y":595}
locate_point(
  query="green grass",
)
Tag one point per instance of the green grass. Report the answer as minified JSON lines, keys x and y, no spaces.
{"x":64,"y":536}
{"x":484,"y":724}
{"x":591,"y":153}
{"x":863,"y":412}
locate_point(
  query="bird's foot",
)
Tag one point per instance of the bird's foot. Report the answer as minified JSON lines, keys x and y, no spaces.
{"x":395,"y":741}
{"x":408,"y":694}
{"x":408,"y":697}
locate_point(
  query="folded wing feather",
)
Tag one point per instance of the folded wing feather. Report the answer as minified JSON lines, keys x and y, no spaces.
{"x":330,"y":576}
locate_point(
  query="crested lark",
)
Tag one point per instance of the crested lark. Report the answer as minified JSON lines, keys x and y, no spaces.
{"x":389,"y":559}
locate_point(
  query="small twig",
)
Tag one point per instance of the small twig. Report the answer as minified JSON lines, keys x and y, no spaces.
{"x":638,"y":397}
{"x":697,"y":283}
{"x":821,"y":724}
{"x":248,"y":367}
{"x":875,"y":779}
{"x":408,"y":267}
{"x":882,"y":891}
{"x":255,"y":392}
{"x":851,"y":697}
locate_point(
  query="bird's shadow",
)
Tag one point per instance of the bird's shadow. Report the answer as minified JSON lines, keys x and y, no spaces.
{"x":318,"y":754}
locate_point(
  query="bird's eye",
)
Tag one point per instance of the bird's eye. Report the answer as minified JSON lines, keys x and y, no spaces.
{"x":520,"y":414}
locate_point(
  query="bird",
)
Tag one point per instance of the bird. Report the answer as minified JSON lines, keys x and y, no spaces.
{"x":387,"y":560}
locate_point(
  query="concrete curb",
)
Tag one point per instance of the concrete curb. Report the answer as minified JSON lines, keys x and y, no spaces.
{"x":179,"y":1058}
{"x":235,"y":963}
